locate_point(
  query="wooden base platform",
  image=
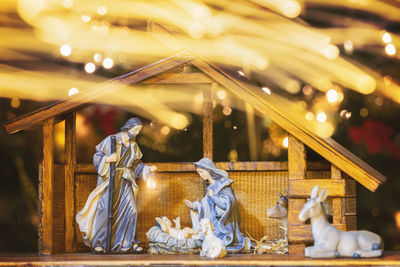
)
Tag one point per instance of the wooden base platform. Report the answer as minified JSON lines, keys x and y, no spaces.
{"x":388,"y":259}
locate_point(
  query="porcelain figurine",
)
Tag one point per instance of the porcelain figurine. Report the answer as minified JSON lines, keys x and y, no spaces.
{"x":212,"y":246}
{"x":117,"y":158}
{"x":330,"y":242}
{"x":165,"y":239}
{"x":279,"y":211}
{"x":176,"y":232}
{"x":219,"y":206}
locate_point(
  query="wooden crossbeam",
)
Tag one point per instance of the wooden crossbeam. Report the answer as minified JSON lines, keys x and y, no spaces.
{"x":336,"y":188}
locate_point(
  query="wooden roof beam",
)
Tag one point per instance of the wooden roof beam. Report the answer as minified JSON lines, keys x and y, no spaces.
{"x":81,"y":99}
{"x":326,"y":147}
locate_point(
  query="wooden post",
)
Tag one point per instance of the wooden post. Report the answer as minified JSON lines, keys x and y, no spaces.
{"x":46,"y":217}
{"x":208,"y":121}
{"x":344,"y":208}
{"x":297,"y":170}
{"x":70,"y":160}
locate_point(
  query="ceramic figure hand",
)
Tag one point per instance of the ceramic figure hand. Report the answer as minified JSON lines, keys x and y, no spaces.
{"x":188,"y":203}
{"x":209,"y":192}
{"x":112,"y":158}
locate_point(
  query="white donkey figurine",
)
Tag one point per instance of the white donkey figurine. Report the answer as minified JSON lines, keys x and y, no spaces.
{"x":330,"y":242}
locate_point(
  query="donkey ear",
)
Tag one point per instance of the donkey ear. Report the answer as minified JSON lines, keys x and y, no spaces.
{"x":323,"y":195}
{"x":314,"y":191}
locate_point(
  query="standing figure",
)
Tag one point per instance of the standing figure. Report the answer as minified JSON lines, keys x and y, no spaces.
{"x":219,"y":206}
{"x":92,"y":219}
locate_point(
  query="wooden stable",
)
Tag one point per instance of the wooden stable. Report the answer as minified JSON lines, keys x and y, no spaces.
{"x":64,"y":188}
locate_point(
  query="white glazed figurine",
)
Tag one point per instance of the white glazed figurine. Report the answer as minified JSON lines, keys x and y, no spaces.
{"x":212,"y":246}
{"x":330,"y":242}
{"x":176,"y":232}
{"x":279,"y":212}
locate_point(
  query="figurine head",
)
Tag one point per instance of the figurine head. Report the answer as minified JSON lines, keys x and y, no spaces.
{"x":313,"y":208}
{"x":132,"y":126}
{"x":207,"y":170}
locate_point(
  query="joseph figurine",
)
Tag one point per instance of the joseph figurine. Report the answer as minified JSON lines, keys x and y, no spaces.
{"x":92,"y":219}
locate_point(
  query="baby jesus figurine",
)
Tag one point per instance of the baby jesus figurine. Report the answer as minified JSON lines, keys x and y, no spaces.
{"x":176,"y":232}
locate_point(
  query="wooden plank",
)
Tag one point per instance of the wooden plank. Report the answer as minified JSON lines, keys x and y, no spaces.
{"x":337,"y":203}
{"x":336,"y":188}
{"x":59,"y":209}
{"x":272,"y":105}
{"x":46,"y":217}
{"x":181,"y":78}
{"x":297,"y":168}
{"x":350,"y":206}
{"x":296,"y":249}
{"x":296,"y":158}
{"x":80,"y":100}
{"x":208,"y":121}
{"x":89,"y":259}
{"x":228,"y":166}
{"x":303,"y":234}
{"x":70,"y":158}
{"x":351,"y":222}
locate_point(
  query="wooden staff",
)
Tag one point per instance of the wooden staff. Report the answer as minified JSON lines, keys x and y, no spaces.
{"x":110,"y":197}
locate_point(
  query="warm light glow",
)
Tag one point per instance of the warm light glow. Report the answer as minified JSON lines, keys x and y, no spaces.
{"x":266,"y":90}
{"x":387,"y":80}
{"x":15,"y":102}
{"x":390,"y":49}
{"x":97,"y":57}
{"x":321,"y":117}
{"x":108,"y":63}
{"x":90,"y":67}
{"x":331,"y":52}
{"x":285,"y":142}
{"x":261,"y":63}
{"x":364,"y":112}
{"x":307,"y":90}
{"x":221,"y":94}
{"x":165,"y":130}
{"x":151,"y":183}
{"x":291,"y":8}
{"x":198,"y":99}
{"x":68,"y":3}
{"x":102,"y":10}
{"x":227,"y":111}
{"x":86,"y":18}
{"x":366,"y":84}
{"x":348,"y":46}
{"x":345,"y":114}
{"x":310,"y":116}
{"x":397,"y":219}
{"x":332,"y":96}
{"x":73,"y":91}
{"x":379,"y":101}
{"x":386,"y":38}
{"x":235,"y":127}
{"x":65,"y":50}
{"x":241,"y":73}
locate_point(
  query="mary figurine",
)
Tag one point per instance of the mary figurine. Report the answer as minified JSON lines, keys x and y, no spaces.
{"x":219,"y":206}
